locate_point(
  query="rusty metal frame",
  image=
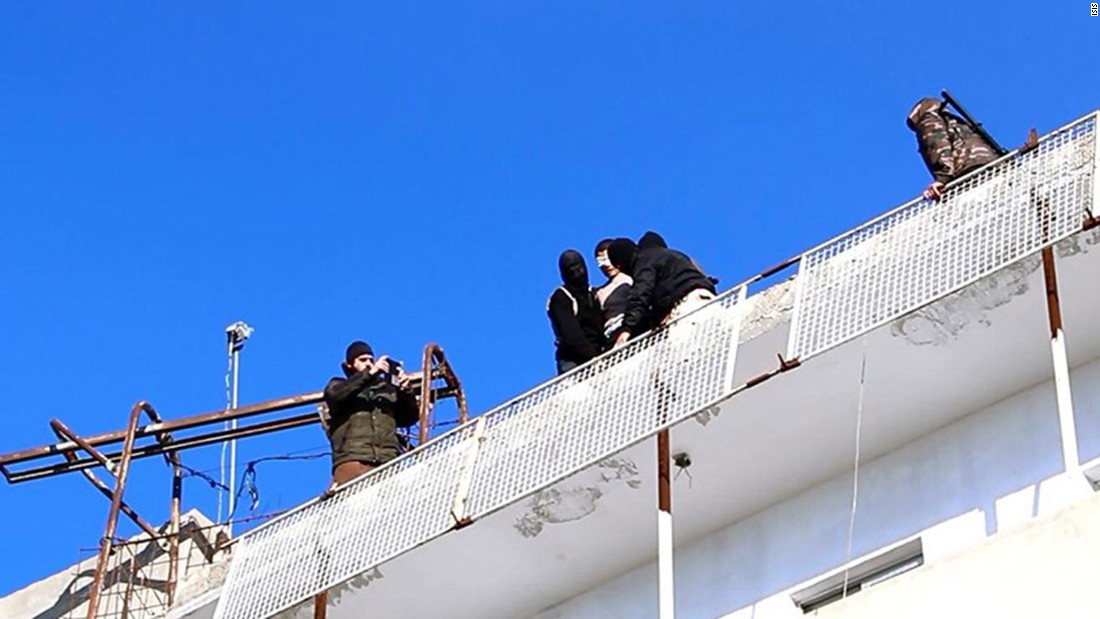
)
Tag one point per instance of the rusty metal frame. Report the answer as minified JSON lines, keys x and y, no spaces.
{"x":435,"y":367}
{"x":437,"y":380}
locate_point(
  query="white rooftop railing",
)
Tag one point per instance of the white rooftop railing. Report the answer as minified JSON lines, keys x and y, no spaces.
{"x":926,"y":249}
{"x":848,"y":286}
{"x":545,"y":435}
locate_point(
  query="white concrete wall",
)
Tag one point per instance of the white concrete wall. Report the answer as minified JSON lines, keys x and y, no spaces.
{"x":991,"y":472}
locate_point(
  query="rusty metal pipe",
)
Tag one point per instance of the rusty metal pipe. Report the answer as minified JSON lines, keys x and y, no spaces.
{"x":155,"y":449}
{"x":63,"y":432}
{"x":106,"y":543}
{"x":426,"y":391}
{"x":194,"y":421}
{"x":174,"y":528}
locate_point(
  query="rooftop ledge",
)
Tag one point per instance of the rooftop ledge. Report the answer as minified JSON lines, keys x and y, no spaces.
{"x":922,"y":296}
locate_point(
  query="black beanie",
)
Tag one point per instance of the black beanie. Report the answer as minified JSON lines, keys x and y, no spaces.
{"x":355,"y":349}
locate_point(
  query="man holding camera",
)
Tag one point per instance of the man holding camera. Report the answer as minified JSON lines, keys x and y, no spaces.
{"x":365,"y":410}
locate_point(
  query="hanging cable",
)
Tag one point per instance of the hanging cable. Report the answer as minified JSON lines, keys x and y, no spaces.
{"x":225,"y":425}
{"x":248,"y":478}
{"x":855,"y":469}
{"x":214,"y":484}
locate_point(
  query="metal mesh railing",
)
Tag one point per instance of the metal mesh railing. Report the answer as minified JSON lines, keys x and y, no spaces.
{"x":848,"y":286}
{"x":599,"y":409}
{"x":527,"y":444}
{"x":927,"y":249}
{"x":379,"y":516}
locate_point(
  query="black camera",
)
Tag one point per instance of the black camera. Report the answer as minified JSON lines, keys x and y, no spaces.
{"x":395,"y":371}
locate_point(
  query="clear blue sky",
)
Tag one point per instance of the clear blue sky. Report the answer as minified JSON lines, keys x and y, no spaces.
{"x":409,"y":171}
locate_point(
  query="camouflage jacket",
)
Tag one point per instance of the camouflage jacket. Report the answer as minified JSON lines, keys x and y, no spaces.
{"x":949,"y":146}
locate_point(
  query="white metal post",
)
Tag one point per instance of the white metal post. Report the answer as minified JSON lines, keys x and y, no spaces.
{"x":1063,"y":393}
{"x":665,"y":587}
{"x":236,"y":354}
{"x":236,"y":334}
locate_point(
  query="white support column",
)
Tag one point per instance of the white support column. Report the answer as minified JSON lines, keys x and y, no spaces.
{"x":664,"y":565}
{"x":665,"y":587}
{"x":1063,"y":393}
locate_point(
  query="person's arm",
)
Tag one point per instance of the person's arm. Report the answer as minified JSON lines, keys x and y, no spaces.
{"x":641,"y":295}
{"x":406,"y":411}
{"x":935,"y":147}
{"x":338,"y":389}
{"x":567,"y":327}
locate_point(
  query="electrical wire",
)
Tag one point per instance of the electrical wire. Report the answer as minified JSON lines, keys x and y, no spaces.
{"x":855,"y":469}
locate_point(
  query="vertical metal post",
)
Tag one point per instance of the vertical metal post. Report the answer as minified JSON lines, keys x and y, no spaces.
{"x":320,"y":605}
{"x":665,"y":588}
{"x":106,"y":544}
{"x":236,"y":335}
{"x":426,"y":367}
{"x":174,"y":530}
{"x":235,"y":352}
{"x":1062,"y":390}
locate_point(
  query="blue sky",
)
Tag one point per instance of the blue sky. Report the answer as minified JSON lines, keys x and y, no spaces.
{"x":406,"y":172}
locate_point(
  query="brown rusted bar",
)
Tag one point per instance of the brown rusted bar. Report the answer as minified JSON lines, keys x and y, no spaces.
{"x":320,"y":605}
{"x":154,"y":449}
{"x":63,"y":432}
{"x":426,"y":367}
{"x":194,"y":421}
{"x":174,"y":528}
{"x":664,"y":475}
{"x":435,"y":366}
{"x":1050,"y":277}
{"x":116,"y":500}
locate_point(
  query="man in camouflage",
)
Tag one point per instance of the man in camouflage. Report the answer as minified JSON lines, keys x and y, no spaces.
{"x":949,"y":146}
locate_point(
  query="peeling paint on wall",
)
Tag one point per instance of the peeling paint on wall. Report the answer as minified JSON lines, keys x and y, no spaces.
{"x":359,"y":582}
{"x":944,"y":320}
{"x":563,"y":504}
{"x":767,"y":309}
{"x":707,"y":414}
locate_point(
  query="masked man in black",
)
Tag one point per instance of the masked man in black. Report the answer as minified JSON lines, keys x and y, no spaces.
{"x":667,"y":284}
{"x":575,"y":315}
{"x":365,"y":410}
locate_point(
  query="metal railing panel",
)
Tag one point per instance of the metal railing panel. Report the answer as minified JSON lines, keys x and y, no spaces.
{"x":377,"y":517}
{"x":926,"y":249}
{"x":526,"y":444}
{"x":605,"y":406}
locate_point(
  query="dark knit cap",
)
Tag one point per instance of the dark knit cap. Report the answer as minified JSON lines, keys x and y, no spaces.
{"x":356,"y":349}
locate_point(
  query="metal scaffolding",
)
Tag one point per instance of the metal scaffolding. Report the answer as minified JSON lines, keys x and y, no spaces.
{"x":435,"y":380}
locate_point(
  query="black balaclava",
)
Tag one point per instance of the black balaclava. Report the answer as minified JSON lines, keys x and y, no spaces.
{"x":574,"y":272}
{"x":622,"y":253}
{"x":652,"y":239}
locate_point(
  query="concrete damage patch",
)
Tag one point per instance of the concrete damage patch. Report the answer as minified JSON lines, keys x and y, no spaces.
{"x":767,"y":309}
{"x":943,"y":321}
{"x":563,"y":504}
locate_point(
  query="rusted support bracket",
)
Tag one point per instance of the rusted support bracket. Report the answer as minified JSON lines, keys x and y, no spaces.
{"x":785,"y":365}
{"x":1031,"y":143}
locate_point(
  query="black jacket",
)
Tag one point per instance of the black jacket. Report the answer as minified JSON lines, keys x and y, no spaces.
{"x":661,"y":278}
{"x":378,"y":408}
{"x":578,"y":335}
